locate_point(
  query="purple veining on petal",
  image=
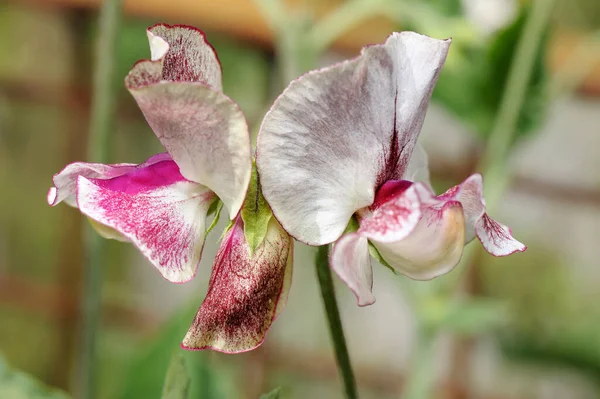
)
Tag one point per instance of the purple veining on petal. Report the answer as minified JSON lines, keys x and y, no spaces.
{"x":244,"y":292}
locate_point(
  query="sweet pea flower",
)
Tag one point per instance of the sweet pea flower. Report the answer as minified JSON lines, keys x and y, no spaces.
{"x":338,"y":149}
{"x":161,"y":205}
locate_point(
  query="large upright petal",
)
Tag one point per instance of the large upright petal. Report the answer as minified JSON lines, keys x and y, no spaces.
{"x":336,"y":134}
{"x":157,"y":209}
{"x":179,"y":93}
{"x":246,"y":292}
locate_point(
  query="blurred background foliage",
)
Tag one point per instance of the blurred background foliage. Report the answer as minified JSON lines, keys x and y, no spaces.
{"x":532,"y":319}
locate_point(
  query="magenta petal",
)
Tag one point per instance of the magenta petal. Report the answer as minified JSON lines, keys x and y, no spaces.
{"x":245,"y":292}
{"x":394,"y":219}
{"x":351,"y":261}
{"x":65,"y":181}
{"x":157,"y":209}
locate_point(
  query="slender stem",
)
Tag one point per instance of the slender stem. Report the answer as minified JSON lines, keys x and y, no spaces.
{"x":101,"y":127}
{"x":333,"y":318}
{"x":502,"y":136}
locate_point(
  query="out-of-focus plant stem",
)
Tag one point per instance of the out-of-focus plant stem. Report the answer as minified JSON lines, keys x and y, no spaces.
{"x":333,"y":318}
{"x":494,"y":161}
{"x":103,"y":112}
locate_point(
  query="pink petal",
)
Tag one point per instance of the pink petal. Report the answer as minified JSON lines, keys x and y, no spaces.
{"x":351,"y":261}
{"x":179,"y":93}
{"x":245,"y":293}
{"x":496,"y":238}
{"x":433,"y":248}
{"x":157,"y":209}
{"x":65,"y":181}
{"x":394,"y":219}
{"x":338,"y":133}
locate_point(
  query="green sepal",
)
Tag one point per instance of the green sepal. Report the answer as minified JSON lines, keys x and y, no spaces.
{"x":215,"y":208}
{"x":375,"y":254}
{"x":255,"y":213}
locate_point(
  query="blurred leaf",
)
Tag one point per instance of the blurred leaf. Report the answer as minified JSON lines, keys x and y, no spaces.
{"x":177,"y":381}
{"x":148,"y":369}
{"x":467,"y":317}
{"x":447,"y":7}
{"x":18,"y":385}
{"x":473,"y":90}
{"x":274,"y":394}
{"x":475,"y":316}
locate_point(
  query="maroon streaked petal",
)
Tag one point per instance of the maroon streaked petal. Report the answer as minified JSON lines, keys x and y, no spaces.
{"x":245,"y":293}
{"x":496,"y":238}
{"x":206,"y":134}
{"x":351,"y":261}
{"x":394,"y":219}
{"x":65,"y":181}
{"x":336,"y":134}
{"x":433,"y":248}
{"x":157,"y":209}
{"x":188,"y":57}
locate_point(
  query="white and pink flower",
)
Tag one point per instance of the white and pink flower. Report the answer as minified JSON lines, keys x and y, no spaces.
{"x":340,"y":144}
{"x":161,"y":205}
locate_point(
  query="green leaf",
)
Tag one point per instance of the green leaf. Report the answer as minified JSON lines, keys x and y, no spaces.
{"x":274,"y":394}
{"x":473,"y":90}
{"x":16,"y":384}
{"x":177,"y":381}
{"x":256,"y":213}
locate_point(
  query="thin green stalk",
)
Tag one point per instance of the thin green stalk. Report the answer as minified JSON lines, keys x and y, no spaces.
{"x":498,"y":146}
{"x":101,"y":126}
{"x":333,"y":318}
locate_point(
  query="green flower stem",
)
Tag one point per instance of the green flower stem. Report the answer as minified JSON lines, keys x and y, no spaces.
{"x":333,"y":318}
{"x":104,"y":106}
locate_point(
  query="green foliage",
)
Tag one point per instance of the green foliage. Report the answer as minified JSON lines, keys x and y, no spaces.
{"x":274,"y":394}
{"x":148,"y":368}
{"x":177,"y":381}
{"x":256,"y":213}
{"x":473,"y":89}
{"x":18,"y":385}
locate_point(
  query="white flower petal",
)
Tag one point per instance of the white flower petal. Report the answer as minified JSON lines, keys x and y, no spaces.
{"x":338,"y":133}
{"x":433,"y":248}
{"x":351,"y":261}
